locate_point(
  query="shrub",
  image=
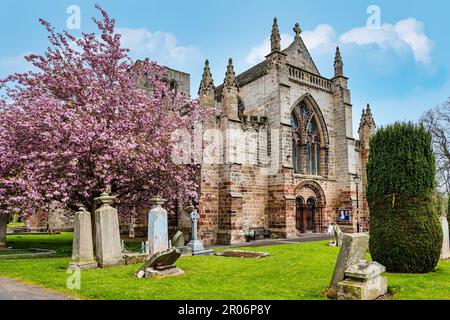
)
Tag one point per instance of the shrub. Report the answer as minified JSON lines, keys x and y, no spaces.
{"x":405,"y":233}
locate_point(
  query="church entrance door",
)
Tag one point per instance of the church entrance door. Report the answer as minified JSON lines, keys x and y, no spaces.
{"x":300,"y":215}
{"x":311,"y":209}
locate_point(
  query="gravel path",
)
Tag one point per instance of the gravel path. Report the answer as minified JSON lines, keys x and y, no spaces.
{"x":13,"y":290}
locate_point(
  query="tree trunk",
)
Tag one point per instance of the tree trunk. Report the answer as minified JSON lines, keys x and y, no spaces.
{"x":3,"y":224}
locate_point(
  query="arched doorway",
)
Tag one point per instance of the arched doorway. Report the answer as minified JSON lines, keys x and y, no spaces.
{"x":311,"y":208}
{"x":309,"y":213}
{"x":300,"y":217}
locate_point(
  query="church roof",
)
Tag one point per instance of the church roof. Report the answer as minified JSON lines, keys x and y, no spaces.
{"x":297,"y":55}
{"x":246,"y":77}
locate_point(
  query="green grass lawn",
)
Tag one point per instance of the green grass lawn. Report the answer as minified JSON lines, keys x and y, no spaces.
{"x":291,"y":272}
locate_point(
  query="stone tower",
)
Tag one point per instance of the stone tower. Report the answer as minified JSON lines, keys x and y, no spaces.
{"x":366,"y":130}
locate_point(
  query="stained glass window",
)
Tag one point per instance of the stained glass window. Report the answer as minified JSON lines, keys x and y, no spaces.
{"x":305,"y":136}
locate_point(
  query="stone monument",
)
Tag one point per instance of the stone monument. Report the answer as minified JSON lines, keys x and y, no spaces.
{"x":354,"y":278}
{"x":445,"y":252}
{"x":161,"y":264}
{"x":83,"y":246}
{"x":107,"y":233}
{"x":178,"y":242}
{"x":3,"y":227}
{"x":353,"y":249}
{"x":158,"y":227}
{"x":363,"y":281}
{"x":131,"y":231}
{"x":196,"y":244}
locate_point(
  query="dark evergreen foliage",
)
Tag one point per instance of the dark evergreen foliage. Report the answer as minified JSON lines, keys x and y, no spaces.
{"x":405,"y":233}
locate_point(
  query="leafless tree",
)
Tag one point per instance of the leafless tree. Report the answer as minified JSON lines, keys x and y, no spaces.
{"x":437,"y":121}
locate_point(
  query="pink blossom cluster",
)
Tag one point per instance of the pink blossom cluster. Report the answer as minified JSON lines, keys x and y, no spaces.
{"x":90,"y":120}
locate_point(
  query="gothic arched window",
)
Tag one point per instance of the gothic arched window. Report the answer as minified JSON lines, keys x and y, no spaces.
{"x":306,"y":147}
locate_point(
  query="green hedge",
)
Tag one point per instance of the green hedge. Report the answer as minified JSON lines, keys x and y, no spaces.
{"x":405,"y":233}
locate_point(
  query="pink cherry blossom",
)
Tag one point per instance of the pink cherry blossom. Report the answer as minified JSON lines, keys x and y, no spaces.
{"x":91,"y":120}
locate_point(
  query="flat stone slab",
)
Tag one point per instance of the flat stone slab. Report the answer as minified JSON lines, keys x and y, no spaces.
{"x":355,"y":289}
{"x":164,"y":258}
{"x":242,"y":254}
{"x":134,"y":258}
{"x":25,"y":253}
{"x":205,"y":252}
{"x":83,"y":265}
{"x":158,"y":274}
{"x":369,"y":271}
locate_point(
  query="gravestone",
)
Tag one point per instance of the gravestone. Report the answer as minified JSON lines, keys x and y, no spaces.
{"x":196,"y":244}
{"x":161,"y":264}
{"x":107,"y":233}
{"x":83,"y":246}
{"x":3,"y":225}
{"x":363,"y":281}
{"x":131,"y":232}
{"x":158,"y":227}
{"x":353,"y":249}
{"x":445,"y":252}
{"x":178,"y":242}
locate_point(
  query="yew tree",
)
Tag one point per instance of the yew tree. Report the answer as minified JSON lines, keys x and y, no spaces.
{"x":87,"y":120}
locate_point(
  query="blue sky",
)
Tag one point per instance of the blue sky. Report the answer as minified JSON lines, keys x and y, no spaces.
{"x":400,"y":66}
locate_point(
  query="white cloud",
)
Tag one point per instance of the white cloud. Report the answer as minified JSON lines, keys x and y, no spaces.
{"x":257,"y":53}
{"x":405,"y":34}
{"x":13,"y":64}
{"x":159,"y":46}
{"x":323,"y":35}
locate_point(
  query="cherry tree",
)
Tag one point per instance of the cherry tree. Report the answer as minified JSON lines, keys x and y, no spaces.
{"x":91,"y":120}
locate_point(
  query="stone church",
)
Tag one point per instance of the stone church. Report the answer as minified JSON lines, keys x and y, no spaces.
{"x":281,"y":159}
{"x":286,"y":162}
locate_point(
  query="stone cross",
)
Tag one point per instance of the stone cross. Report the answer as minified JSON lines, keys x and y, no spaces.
{"x":196,"y":244}
{"x":297,"y":30}
{"x":194,"y":218}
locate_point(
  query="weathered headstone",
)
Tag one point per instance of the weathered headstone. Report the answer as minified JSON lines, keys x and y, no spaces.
{"x":178,"y":240}
{"x":363,"y":281}
{"x":3,"y":225}
{"x":445,"y":252}
{"x":131,"y":231}
{"x":353,"y":249}
{"x":83,"y":246}
{"x":161,"y":264}
{"x":158,"y":227}
{"x":107,"y":233}
{"x":196,"y":244}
